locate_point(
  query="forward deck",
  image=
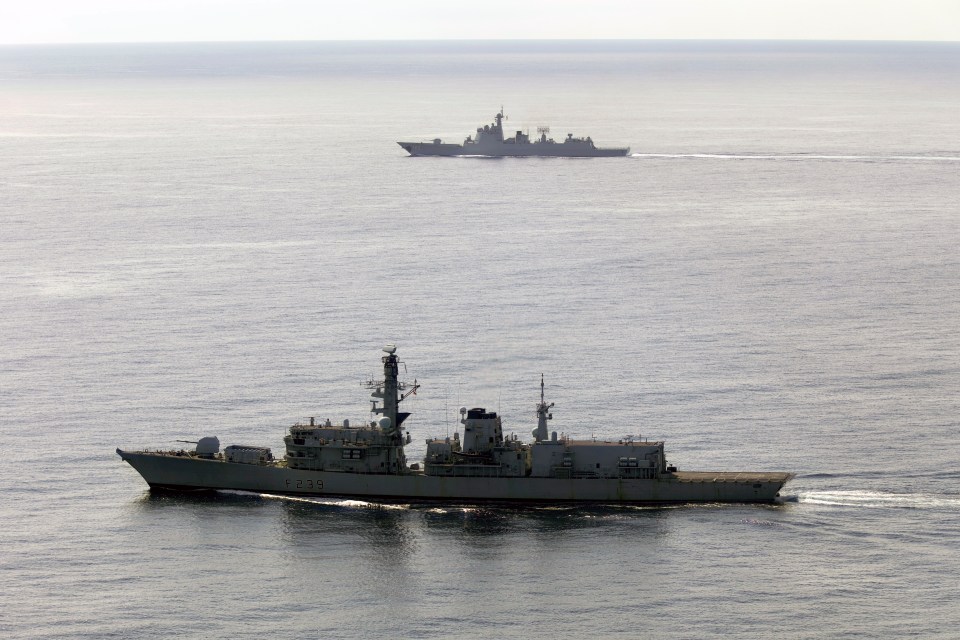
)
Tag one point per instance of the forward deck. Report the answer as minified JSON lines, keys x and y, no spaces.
{"x":729,"y":476}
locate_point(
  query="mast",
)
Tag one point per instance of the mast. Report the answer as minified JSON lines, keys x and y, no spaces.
{"x":391,"y":391}
{"x":543,"y":414}
{"x":498,"y":129}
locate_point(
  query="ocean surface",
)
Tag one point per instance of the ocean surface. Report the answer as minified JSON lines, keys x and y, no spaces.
{"x":217,"y":239}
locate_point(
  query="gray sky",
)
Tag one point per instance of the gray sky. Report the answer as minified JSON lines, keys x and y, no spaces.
{"x":38,"y":21}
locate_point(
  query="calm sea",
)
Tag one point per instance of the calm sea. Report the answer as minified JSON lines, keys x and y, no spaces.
{"x":217,"y":240}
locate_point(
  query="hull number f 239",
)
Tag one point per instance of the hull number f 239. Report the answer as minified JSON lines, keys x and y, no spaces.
{"x":304,"y":484}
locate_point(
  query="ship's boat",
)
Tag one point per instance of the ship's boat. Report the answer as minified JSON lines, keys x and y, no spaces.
{"x":480,"y":465}
{"x":490,"y":141}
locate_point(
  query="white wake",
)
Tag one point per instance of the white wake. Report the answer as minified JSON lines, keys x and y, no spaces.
{"x":879,"y":499}
{"x":797,"y":157}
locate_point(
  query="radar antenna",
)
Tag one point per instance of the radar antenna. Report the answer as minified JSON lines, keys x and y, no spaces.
{"x":389,"y":391}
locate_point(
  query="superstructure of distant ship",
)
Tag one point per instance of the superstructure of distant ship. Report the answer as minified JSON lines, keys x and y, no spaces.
{"x":490,"y":141}
{"x":481,"y":464}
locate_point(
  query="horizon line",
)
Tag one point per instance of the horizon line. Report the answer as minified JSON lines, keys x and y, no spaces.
{"x":478,"y":40}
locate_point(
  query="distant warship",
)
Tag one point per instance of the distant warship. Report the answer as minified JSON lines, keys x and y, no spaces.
{"x":480,"y":465}
{"x":490,"y":142}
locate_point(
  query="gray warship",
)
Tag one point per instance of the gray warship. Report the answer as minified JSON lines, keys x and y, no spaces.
{"x":483,"y":464}
{"x":490,"y":142}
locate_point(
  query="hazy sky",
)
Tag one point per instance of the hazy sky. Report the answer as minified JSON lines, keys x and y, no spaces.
{"x":36,"y":21}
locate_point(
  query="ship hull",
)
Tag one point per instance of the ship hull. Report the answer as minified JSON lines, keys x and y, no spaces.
{"x":187,"y":473}
{"x":535,"y":150}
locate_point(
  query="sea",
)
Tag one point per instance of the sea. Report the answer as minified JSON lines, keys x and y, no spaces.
{"x":217,"y":239}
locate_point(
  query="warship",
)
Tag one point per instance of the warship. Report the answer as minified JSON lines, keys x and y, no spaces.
{"x":490,"y":142}
{"x":482,"y":464}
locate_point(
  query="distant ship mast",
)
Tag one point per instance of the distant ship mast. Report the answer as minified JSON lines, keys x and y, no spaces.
{"x":499,"y":118}
{"x":543,"y":414}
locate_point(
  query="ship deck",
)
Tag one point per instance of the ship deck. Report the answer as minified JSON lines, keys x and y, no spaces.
{"x":729,"y":476}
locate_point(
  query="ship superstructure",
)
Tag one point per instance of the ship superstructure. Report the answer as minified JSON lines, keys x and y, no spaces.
{"x":491,"y":141}
{"x":368,"y":461}
{"x":376,"y":447}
